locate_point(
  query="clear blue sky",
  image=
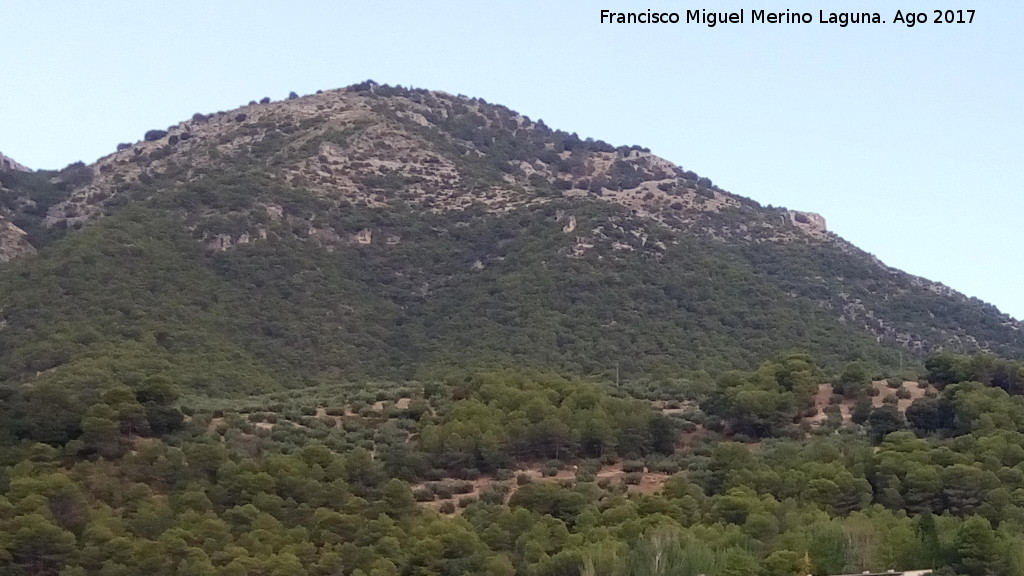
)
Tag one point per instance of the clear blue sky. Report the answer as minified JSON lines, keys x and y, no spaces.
{"x":910,"y":141}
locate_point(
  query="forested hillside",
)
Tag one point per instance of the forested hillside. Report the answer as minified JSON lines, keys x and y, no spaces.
{"x":391,"y":233}
{"x":505,"y":473}
{"x":380,"y":331}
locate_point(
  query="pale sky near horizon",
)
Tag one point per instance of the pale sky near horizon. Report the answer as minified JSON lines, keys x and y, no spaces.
{"x":907,"y":140}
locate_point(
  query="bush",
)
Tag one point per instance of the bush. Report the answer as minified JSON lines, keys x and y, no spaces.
{"x":462,"y":487}
{"x":604,"y":483}
{"x":665,"y":466}
{"x":447,"y":507}
{"x":903,"y":393}
{"x":154,"y":135}
{"x":424,"y":494}
{"x":632,"y":466}
{"x":890,"y":399}
{"x":714,"y":424}
{"x":523,"y":479}
{"x":492,"y":497}
{"x":466,"y":501}
{"x":633,"y":478}
{"x":894,"y":383}
{"x":502,"y":474}
{"x":442,"y":491}
{"x":495,"y":494}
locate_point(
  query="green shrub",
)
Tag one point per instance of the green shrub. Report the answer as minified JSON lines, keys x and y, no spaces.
{"x":633,"y":466}
{"x":633,"y":477}
{"x":442,"y":491}
{"x":461,"y":487}
{"x":665,"y":466}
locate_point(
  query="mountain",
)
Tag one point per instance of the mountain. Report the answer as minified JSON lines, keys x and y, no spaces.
{"x":382,"y":232}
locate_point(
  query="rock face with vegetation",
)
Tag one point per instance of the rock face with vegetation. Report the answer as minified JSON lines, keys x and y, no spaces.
{"x":8,"y":164}
{"x":378,"y":231}
{"x":383,"y":331}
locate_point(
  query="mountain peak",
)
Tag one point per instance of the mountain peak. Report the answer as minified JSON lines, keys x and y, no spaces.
{"x":376,"y":145}
{"x":387,"y":229}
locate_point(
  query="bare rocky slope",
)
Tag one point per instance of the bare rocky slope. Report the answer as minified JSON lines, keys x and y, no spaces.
{"x":445,"y":197}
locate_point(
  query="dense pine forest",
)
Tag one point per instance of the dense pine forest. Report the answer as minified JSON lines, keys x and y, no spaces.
{"x":519,"y":473}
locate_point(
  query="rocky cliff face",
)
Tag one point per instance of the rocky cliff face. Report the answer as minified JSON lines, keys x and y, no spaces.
{"x":378,"y":146}
{"x":13,"y":241}
{"x":9,"y":164}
